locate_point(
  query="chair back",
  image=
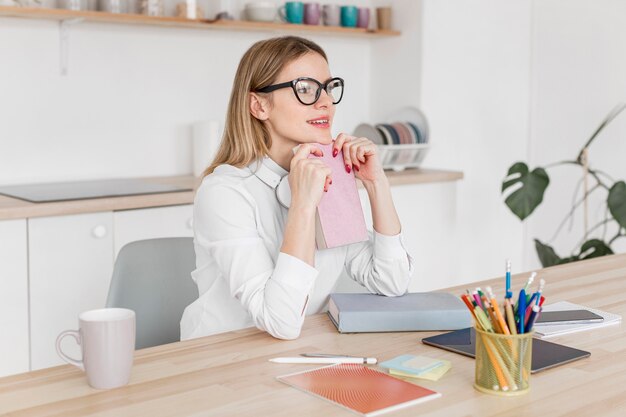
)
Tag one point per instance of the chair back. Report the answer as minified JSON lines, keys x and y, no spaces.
{"x":153,"y":278}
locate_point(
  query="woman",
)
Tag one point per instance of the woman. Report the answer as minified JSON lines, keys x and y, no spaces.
{"x":256,"y":259}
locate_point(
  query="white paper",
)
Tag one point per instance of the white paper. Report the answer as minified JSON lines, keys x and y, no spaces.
{"x":545,"y":331}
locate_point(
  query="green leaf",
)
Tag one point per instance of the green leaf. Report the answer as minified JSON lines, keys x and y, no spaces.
{"x":569,"y":259}
{"x":617,"y":202}
{"x":547,"y":255}
{"x":525,"y":200}
{"x":598,"y":248}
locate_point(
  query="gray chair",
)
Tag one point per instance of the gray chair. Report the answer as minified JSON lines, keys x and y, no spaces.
{"x":153,"y":278}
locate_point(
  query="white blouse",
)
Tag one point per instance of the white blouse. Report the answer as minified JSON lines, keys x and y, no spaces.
{"x":244,"y":280}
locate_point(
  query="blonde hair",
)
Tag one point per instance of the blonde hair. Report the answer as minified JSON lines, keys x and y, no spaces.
{"x":246,"y":138}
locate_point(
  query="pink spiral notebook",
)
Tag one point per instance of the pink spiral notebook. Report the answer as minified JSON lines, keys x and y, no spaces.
{"x":359,"y":388}
{"x":339,"y":220}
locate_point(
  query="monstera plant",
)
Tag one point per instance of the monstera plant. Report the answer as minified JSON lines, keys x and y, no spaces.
{"x":524,"y":190}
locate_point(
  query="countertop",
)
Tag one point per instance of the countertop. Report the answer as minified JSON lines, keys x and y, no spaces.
{"x":13,"y":208}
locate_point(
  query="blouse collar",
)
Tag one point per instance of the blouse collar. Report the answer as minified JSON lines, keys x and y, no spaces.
{"x":268,"y":171}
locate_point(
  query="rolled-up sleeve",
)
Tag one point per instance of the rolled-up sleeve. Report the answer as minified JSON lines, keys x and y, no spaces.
{"x":382,"y":264}
{"x":275,"y":293}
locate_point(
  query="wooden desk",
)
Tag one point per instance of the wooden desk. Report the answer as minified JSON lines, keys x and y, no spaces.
{"x":229,"y":375}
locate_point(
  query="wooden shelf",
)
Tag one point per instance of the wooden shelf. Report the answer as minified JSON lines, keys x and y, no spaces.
{"x":13,"y":208}
{"x":137,"y":19}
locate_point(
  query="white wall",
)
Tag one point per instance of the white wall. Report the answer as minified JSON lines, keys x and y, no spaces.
{"x":131,"y":94}
{"x":509,"y":81}
{"x":578,"y":76}
{"x":475,"y":77}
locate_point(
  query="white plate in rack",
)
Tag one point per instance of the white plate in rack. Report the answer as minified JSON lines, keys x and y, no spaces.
{"x":413,"y":115}
{"x":365,"y":130}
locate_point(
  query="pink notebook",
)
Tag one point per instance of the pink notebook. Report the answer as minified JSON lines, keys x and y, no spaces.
{"x":359,"y":388}
{"x":339,"y":219}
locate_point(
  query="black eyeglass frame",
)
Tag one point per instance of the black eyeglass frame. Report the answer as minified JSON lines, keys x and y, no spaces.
{"x":293,"y":83}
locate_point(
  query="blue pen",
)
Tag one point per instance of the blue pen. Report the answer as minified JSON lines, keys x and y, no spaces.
{"x":526,"y":288}
{"x":533,"y":317}
{"x":508,"y":294}
{"x":521,"y":311}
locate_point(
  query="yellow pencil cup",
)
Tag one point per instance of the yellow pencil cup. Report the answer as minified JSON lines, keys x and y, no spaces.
{"x":503,"y":363}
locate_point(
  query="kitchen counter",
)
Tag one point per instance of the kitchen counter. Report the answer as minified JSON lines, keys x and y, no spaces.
{"x":13,"y":208}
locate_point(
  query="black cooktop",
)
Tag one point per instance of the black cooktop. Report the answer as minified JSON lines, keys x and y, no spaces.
{"x":79,"y":190}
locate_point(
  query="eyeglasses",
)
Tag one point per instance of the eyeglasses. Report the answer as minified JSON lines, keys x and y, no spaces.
{"x":308,"y":90}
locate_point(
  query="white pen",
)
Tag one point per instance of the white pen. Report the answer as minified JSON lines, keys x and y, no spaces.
{"x":337,"y":359}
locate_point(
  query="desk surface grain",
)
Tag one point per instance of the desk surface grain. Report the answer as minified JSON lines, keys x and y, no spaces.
{"x":229,"y":374}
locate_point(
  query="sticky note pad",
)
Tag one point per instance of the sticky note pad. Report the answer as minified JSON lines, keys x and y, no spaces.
{"x":411,"y":364}
{"x":432,"y":375}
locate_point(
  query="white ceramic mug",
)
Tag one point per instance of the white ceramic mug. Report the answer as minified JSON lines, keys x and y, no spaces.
{"x":107,"y":340}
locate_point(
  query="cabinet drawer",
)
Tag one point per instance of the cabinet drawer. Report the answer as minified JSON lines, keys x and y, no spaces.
{"x":132,"y":225}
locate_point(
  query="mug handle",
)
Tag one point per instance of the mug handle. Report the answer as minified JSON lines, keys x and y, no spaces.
{"x":76,"y":335}
{"x":282,"y":14}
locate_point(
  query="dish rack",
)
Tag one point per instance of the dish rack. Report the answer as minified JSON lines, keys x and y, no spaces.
{"x":402,"y":140}
{"x":400,"y":157}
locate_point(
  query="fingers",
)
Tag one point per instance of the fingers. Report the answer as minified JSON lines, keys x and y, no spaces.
{"x":343,"y":142}
{"x":325,"y":172}
{"x":327,"y":183}
{"x":314,"y":172}
{"x":355,"y":152}
{"x":305,"y":150}
{"x":360,"y":149}
{"x":339,"y":142}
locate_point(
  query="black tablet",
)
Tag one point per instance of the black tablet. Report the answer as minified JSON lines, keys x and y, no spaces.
{"x":545,"y":355}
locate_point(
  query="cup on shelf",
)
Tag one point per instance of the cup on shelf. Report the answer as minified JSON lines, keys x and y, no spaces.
{"x":349,"y":16}
{"x":189,"y":9}
{"x":292,"y":12}
{"x":264,"y":11}
{"x":107,"y":341}
{"x":114,"y":6}
{"x":383,"y":18}
{"x":363,"y":18}
{"x":331,"y":15}
{"x":73,"y":4}
{"x":312,"y":13}
{"x":36,"y":4}
{"x":152,"y":7}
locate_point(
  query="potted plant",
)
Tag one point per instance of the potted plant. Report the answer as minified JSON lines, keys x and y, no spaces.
{"x":524,"y":190}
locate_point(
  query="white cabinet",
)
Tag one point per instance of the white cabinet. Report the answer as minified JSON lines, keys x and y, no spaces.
{"x":132,"y":225}
{"x":13,"y":297}
{"x":70,"y":261}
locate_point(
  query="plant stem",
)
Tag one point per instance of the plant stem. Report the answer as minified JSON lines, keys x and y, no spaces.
{"x":608,"y":177}
{"x":580,"y":182}
{"x":603,"y":222}
{"x":606,"y":217}
{"x":609,"y":118}
{"x":618,"y":235}
{"x":593,"y":172}
{"x":571,"y":212}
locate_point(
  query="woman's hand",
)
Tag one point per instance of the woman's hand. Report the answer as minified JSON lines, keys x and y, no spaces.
{"x":360,"y":154}
{"x":309,"y":178}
